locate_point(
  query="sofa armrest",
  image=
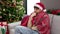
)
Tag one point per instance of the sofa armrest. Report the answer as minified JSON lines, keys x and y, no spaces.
{"x":13,"y":25}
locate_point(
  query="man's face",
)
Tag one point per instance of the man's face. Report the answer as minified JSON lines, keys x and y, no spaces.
{"x":37,"y":10}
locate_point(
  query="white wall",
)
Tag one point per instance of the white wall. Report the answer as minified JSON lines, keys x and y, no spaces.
{"x":30,"y":6}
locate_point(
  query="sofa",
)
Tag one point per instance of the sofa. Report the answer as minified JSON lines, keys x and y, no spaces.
{"x":54,"y":23}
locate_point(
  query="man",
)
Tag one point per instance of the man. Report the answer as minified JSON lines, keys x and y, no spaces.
{"x":36,"y":23}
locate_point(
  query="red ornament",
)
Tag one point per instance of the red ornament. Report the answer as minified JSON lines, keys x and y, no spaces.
{"x":58,"y":11}
{"x":53,"y":12}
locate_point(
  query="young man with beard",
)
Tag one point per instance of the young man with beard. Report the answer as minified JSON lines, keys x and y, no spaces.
{"x":36,"y":23}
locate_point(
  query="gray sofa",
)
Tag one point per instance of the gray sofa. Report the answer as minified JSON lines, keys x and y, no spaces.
{"x":54,"y":23}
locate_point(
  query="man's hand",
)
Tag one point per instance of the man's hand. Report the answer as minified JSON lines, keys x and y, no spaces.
{"x":30,"y":19}
{"x":33,"y":14}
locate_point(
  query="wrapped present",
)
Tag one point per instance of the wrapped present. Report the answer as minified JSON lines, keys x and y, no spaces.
{"x":0,"y":30}
{"x":3,"y":27}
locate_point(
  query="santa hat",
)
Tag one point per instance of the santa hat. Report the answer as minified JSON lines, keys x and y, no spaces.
{"x":40,"y":6}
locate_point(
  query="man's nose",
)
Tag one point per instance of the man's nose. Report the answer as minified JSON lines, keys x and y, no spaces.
{"x":34,"y":9}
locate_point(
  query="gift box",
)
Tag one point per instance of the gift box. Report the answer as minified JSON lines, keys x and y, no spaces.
{"x":3,"y":27}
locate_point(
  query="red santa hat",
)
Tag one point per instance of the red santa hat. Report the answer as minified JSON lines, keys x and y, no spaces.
{"x":40,"y":6}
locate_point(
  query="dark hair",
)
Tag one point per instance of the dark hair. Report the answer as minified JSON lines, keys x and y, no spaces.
{"x":36,"y":7}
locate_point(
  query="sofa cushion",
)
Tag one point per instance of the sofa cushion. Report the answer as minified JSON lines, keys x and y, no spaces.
{"x":13,"y":25}
{"x":12,"y":31}
{"x":51,"y":18}
{"x":55,"y":29}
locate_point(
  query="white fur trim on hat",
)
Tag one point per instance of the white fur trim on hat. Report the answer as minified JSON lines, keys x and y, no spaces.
{"x":38,"y":6}
{"x":44,"y":10}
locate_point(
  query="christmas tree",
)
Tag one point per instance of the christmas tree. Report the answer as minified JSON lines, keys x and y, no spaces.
{"x":11,"y":10}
